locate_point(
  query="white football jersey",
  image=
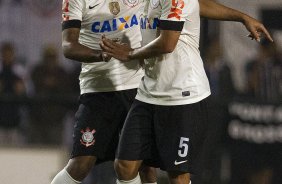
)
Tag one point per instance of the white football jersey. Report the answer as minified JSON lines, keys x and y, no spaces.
{"x":115,"y":19}
{"x":179,"y":77}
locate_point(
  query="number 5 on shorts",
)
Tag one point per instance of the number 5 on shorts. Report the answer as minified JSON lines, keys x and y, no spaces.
{"x":183,"y":147}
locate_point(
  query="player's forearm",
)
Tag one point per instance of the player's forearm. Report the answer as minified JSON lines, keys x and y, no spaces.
{"x":213,"y":10}
{"x":72,"y":49}
{"x":164,"y":44}
{"x":81,"y":53}
{"x":153,"y":49}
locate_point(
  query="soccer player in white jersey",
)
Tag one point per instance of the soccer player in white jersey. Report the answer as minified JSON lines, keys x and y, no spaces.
{"x":107,"y":88}
{"x":167,"y":121}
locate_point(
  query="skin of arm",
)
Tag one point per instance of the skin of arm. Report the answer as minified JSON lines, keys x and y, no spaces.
{"x":72,"y":49}
{"x":163,"y":44}
{"x":213,"y":10}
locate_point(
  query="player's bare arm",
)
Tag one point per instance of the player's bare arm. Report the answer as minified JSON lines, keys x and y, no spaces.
{"x":213,"y":10}
{"x":72,"y":49}
{"x":165,"y":43}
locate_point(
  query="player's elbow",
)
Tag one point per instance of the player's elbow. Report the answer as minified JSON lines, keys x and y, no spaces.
{"x":67,"y":54}
{"x":167,"y":48}
{"x":67,"y":51}
{"x":167,"y":41}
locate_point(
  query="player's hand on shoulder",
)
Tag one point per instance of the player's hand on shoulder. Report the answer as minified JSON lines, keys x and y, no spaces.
{"x":115,"y":49}
{"x":256,"y":29}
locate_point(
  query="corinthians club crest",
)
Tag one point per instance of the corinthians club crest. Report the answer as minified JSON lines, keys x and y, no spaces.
{"x":87,"y":138}
{"x":114,"y":7}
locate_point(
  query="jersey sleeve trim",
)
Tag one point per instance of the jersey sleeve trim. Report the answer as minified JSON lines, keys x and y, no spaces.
{"x":171,"y":25}
{"x":71,"y":24}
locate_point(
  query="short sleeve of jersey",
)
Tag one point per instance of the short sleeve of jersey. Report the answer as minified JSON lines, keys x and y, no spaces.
{"x":72,"y":13}
{"x":173,"y":14}
{"x":72,"y":9}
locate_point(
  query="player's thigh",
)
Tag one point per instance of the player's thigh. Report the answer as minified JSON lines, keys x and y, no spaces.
{"x":97,"y":126}
{"x":137,"y":134}
{"x":180,"y":133}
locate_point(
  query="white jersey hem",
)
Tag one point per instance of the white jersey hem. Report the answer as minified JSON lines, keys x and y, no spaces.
{"x":116,"y":88}
{"x":156,"y":101}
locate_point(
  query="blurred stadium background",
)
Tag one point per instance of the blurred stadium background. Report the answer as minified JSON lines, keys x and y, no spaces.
{"x":39,"y":90}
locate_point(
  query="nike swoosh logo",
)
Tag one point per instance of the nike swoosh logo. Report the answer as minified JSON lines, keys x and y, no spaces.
{"x":180,"y":162}
{"x":91,"y":7}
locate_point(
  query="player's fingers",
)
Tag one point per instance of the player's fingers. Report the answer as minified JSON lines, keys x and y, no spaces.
{"x":104,"y":47}
{"x":253,"y":37}
{"x":110,"y":55}
{"x":116,"y":40}
{"x":106,"y":56}
{"x":115,"y":44}
{"x":255,"y":34}
{"x":125,"y":44}
{"x":108,"y":43}
{"x":266,"y":33}
{"x":250,"y":36}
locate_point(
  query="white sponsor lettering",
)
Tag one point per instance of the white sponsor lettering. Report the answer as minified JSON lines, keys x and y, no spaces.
{"x":255,"y":133}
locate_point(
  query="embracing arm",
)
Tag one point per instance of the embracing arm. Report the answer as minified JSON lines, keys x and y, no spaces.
{"x":164,"y":43}
{"x":72,"y":49}
{"x":213,"y":10}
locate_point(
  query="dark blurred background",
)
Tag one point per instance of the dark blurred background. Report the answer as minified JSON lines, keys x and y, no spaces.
{"x":39,"y":91}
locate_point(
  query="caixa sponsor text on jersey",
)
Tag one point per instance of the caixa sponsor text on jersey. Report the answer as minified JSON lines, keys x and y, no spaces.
{"x":122,"y":23}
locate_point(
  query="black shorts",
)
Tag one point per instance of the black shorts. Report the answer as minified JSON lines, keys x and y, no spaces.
{"x":169,"y":137}
{"x":98,"y":123}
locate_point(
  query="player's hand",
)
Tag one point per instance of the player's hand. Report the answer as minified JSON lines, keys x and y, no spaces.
{"x":105,"y":56}
{"x":256,"y":29}
{"x":117,"y":50}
